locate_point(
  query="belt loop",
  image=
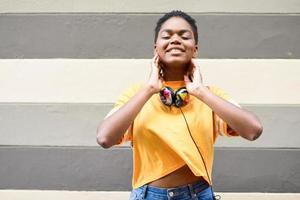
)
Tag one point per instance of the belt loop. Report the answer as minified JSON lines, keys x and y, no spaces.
{"x":193,"y":194}
{"x":144,"y":191}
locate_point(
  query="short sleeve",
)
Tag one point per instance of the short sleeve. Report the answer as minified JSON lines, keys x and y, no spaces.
{"x":220,"y":126}
{"x":125,"y":96}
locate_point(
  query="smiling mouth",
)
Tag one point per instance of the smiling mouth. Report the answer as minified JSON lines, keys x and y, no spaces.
{"x":175,"y":51}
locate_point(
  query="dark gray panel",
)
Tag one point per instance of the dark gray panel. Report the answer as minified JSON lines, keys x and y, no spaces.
{"x":235,"y":170}
{"x":131,"y":35}
{"x":75,"y":125}
{"x":257,"y":170}
{"x":59,"y":168}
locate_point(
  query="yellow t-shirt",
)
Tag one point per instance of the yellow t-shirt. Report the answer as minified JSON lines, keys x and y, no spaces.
{"x":160,"y":139}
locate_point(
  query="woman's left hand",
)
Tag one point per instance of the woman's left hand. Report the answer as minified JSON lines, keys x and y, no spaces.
{"x":195,"y":86}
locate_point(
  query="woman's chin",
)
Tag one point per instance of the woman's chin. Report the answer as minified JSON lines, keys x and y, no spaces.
{"x":175,"y":62}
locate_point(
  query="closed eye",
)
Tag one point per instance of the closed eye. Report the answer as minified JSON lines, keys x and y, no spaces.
{"x":185,"y":38}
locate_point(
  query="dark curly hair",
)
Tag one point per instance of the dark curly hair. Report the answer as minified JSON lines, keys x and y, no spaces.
{"x":176,"y":13}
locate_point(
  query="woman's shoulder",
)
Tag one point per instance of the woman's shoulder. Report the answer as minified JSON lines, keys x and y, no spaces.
{"x":133,"y":88}
{"x":127,"y":93}
{"x":217,"y":90}
{"x":213,"y":88}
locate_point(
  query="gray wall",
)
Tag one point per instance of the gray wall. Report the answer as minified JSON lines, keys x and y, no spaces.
{"x":83,"y":168}
{"x":131,"y":35}
{"x":53,"y":147}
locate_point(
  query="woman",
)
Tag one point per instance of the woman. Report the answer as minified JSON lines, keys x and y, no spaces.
{"x":173,"y":120}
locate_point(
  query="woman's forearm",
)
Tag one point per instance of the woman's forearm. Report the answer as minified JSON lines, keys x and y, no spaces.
{"x":242,"y":121}
{"x":111,"y":130}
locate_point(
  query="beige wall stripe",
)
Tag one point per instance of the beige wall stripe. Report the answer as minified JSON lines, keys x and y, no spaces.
{"x":115,"y":6}
{"x":253,"y":81}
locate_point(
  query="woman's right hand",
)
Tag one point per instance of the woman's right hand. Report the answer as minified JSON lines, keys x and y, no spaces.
{"x":155,"y":81}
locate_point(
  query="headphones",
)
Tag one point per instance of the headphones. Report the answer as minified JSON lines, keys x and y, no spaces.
{"x":177,"y":98}
{"x":180,"y":98}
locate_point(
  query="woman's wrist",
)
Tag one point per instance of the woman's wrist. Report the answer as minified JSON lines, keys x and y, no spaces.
{"x":202,"y":92}
{"x":150,"y":90}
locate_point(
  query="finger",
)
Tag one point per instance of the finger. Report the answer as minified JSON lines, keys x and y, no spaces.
{"x":199,"y":75}
{"x":155,"y":56}
{"x":154,"y":61}
{"x":157,"y":59}
{"x":197,"y":67}
{"x":201,"y":78}
{"x":159,"y":65}
{"x":198,"y":72}
{"x":192,"y":67}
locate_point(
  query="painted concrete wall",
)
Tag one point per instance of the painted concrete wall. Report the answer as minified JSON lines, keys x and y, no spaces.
{"x":83,"y":168}
{"x":52,"y":124}
{"x":131,"y":35}
{"x":57,"y":60}
{"x":133,"y":6}
{"x":255,"y":81}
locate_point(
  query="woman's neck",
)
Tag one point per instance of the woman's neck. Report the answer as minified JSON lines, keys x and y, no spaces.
{"x":174,"y":74}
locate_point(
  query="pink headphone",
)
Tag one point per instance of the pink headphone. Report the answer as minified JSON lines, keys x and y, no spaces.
{"x":170,"y":97}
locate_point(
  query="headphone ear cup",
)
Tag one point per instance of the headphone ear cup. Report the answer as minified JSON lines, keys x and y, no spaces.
{"x":181,"y":97}
{"x":167,"y":96}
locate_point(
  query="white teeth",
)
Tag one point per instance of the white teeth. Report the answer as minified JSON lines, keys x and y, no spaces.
{"x":175,"y":50}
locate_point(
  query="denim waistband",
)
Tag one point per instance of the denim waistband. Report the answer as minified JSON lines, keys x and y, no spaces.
{"x":192,"y":188}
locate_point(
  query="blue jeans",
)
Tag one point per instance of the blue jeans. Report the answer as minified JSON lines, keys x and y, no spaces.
{"x":195,"y":191}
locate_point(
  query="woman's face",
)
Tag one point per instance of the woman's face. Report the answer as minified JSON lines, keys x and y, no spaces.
{"x":175,"y":43}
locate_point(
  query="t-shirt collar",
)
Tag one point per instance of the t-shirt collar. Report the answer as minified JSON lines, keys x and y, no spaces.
{"x":174,"y":84}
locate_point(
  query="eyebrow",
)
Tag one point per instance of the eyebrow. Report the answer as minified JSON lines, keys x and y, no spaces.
{"x":171,"y":31}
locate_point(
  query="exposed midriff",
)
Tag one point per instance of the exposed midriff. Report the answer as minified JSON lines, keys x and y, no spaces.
{"x":179,"y":177}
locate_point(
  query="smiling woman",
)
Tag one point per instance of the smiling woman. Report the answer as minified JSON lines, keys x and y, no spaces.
{"x":176,"y":41}
{"x":173,"y":120}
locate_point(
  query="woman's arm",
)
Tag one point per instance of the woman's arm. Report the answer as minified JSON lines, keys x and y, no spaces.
{"x":113,"y":127}
{"x":242,"y":121}
{"x":111,"y":130}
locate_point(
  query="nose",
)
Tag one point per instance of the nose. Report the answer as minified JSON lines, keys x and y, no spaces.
{"x":175,"y":40}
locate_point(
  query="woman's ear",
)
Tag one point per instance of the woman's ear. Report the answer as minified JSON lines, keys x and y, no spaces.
{"x":195,"y":54}
{"x":154,"y":50}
